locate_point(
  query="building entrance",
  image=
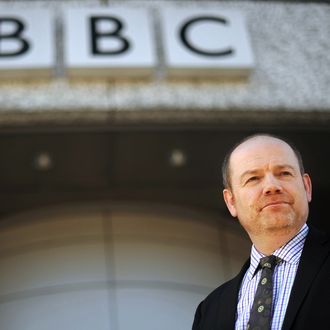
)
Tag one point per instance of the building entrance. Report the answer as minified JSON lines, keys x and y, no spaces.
{"x":112,"y":267}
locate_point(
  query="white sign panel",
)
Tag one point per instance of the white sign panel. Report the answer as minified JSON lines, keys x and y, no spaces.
{"x":26,"y":42}
{"x":109,"y":42}
{"x":207,"y":42}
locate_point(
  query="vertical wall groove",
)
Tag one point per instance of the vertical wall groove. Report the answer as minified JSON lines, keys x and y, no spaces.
{"x":110,"y":269}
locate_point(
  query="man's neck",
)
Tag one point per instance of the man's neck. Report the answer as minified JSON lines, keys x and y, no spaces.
{"x":270,"y":242}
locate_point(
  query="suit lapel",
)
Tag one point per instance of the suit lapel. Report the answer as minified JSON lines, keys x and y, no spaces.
{"x":228,"y":301}
{"x":312,"y":258}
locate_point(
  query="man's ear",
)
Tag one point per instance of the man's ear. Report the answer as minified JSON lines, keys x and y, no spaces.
{"x":230,"y":202}
{"x":308,"y":186}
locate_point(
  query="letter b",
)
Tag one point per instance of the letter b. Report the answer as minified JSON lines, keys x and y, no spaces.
{"x":97,"y":35}
{"x":15,"y":36}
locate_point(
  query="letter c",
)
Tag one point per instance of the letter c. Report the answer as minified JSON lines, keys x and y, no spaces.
{"x":187,"y":25}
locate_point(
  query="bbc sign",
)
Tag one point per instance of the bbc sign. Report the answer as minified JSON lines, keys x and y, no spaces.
{"x":122,"y":42}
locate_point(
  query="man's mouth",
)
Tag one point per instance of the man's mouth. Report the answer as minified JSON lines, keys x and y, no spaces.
{"x":274,"y":204}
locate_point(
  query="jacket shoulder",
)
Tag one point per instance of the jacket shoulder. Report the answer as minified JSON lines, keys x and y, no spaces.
{"x":218,"y":309}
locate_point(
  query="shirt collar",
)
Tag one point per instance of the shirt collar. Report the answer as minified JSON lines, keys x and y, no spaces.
{"x":290,"y":252}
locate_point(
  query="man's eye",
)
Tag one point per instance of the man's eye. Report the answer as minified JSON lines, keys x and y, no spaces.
{"x":251,"y":179}
{"x":285,"y":173}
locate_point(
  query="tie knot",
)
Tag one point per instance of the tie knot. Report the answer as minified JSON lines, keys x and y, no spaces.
{"x":269,"y":262}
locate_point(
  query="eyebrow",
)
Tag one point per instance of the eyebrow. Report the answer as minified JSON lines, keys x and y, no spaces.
{"x":248,"y":172}
{"x":285,"y":166}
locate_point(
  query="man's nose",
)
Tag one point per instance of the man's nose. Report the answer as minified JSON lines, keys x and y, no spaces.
{"x":271,"y":185}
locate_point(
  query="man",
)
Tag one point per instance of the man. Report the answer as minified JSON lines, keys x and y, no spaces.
{"x":267,"y":190}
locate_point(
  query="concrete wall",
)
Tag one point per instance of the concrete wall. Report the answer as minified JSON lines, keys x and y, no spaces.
{"x":290,"y":42}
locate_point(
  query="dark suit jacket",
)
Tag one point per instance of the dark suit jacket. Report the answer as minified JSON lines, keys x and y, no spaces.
{"x":309,"y":303}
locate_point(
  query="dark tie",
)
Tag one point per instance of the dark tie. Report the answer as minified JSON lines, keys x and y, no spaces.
{"x":261,"y":312}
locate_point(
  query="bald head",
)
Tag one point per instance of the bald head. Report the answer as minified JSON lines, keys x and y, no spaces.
{"x":259,"y":138}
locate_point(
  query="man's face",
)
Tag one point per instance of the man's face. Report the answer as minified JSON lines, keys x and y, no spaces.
{"x":268,"y":194}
